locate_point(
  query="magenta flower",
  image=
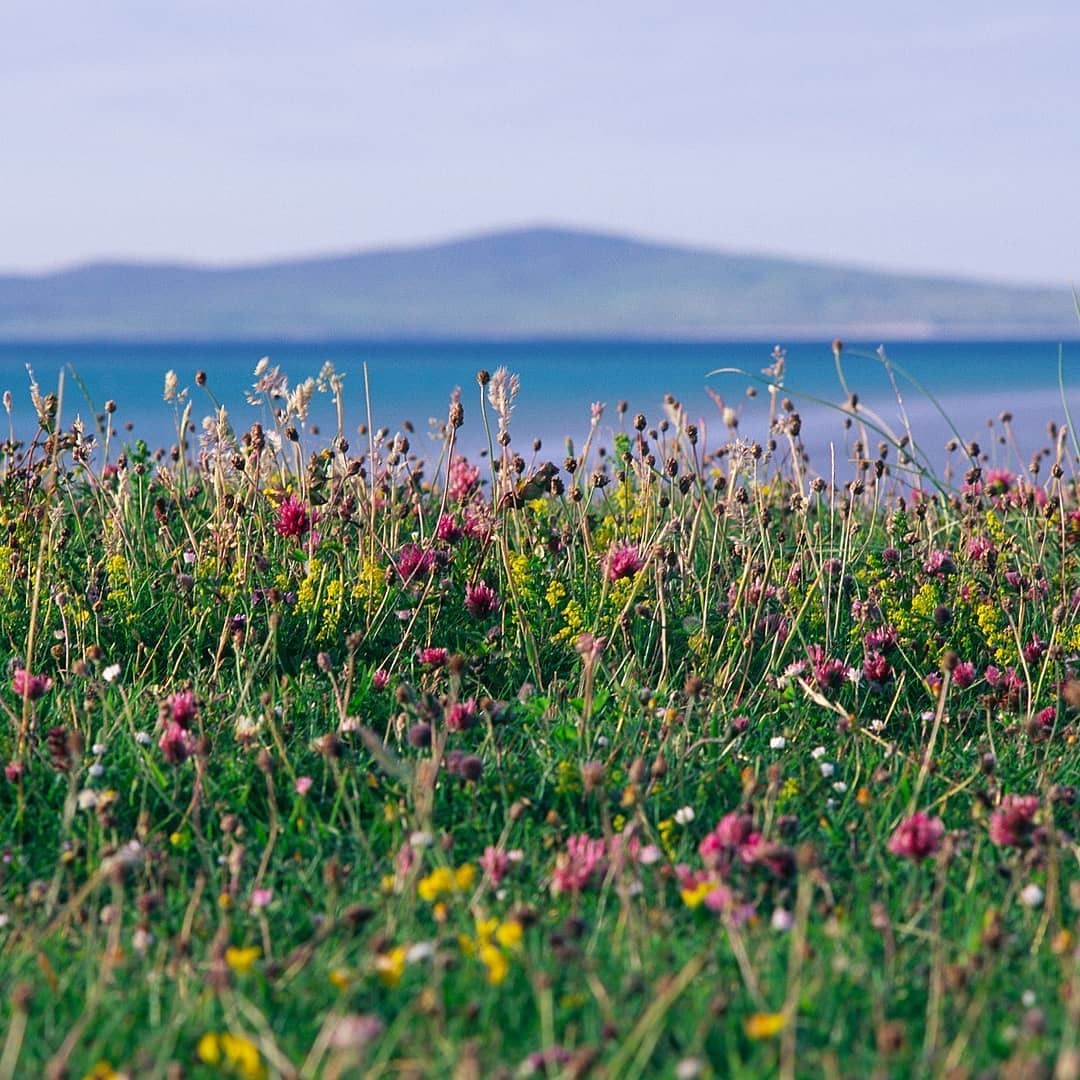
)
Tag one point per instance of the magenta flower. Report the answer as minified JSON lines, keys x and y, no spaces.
{"x":414,"y":561}
{"x":14,"y":771}
{"x":176,"y":743}
{"x":964,"y":674}
{"x":293,"y":519}
{"x":881,"y":638}
{"x":303,"y":785}
{"x":623,"y":560}
{"x":1012,"y":822}
{"x":918,"y":837}
{"x":461,"y":715}
{"x":578,"y":865}
{"x":481,"y":600}
{"x":496,"y":865}
{"x":828,"y":672}
{"x":432,"y":656}
{"x":464,"y":478}
{"x":732,"y":832}
{"x":939,"y":563}
{"x":449,"y":529}
{"x":876,"y":668}
{"x":32,"y":686}
{"x":183,"y":707}
{"x":380,"y":680}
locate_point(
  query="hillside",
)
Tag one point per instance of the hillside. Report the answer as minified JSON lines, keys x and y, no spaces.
{"x":542,"y":282}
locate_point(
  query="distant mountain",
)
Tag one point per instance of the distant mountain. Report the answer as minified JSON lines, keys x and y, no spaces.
{"x":542,"y":282}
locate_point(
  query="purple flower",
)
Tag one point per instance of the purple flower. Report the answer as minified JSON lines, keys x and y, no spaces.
{"x":1012,"y":822}
{"x":31,"y":686}
{"x":828,"y":672}
{"x":481,"y":600}
{"x":461,"y":715}
{"x":414,"y":561}
{"x":464,"y":478}
{"x":918,"y":837}
{"x":964,"y":674}
{"x":432,"y":656}
{"x":623,"y":560}
{"x":578,"y":864}
{"x":293,"y":519}
{"x":876,"y":668}
{"x":183,"y":707}
{"x":176,"y":743}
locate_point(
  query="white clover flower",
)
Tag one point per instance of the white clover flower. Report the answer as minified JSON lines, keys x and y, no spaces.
{"x":777,"y":742}
{"x":422,"y":950}
{"x":840,"y":787}
{"x":143,"y":738}
{"x":97,"y":770}
{"x":99,"y":748}
{"x":1031,"y":895}
{"x":817,"y":752}
{"x":684,"y":815}
{"x":111,"y":673}
{"x":827,"y":769}
{"x":421,"y":839}
{"x":782,"y":920}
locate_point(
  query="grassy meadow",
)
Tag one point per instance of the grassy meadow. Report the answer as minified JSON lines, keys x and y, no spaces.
{"x":669,"y":753}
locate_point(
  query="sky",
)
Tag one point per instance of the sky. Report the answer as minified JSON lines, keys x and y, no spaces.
{"x":919,"y":136}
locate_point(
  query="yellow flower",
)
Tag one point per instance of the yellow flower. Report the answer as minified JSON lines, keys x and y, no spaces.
{"x":694,"y":897}
{"x":102,"y":1071}
{"x":391,"y":966}
{"x":764,"y":1025}
{"x":439,"y":882}
{"x":509,"y":934}
{"x":241,"y":960}
{"x":235,"y":1054}
{"x":497,"y":966}
{"x":464,"y":877}
{"x":339,"y":978}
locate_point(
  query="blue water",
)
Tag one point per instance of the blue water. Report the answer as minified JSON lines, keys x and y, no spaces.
{"x":973,"y":381}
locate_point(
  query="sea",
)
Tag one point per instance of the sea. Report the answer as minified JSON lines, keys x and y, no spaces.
{"x":939,"y":391}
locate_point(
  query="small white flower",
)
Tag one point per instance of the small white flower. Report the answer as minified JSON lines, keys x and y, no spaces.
{"x":689,"y":1069}
{"x":99,"y":748}
{"x":422,"y":950}
{"x":777,"y":742}
{"x":189,"y":557}
{"x":86,"y":799}
{"x":111,"y":673}
{"x":782,"y":919}
{"x":817,"y":752}
{"x":827,"y":769}
{"x":97,"y":770}
{"x":854,"y":675}
{"x":4,"y":919}
{"x":840,"y":787}
{"x":143,"y":738}
{"x":1031,"y":895}
{"x":1028,"y":998}
{"x":635,"y":888}
{"x":141,"y":940}
{"x":421,"y":840}
{"x":877,"y":725}
{"x":684,"y":815}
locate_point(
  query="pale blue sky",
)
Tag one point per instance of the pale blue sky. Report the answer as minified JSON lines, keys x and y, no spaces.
{"x":930,"y":136}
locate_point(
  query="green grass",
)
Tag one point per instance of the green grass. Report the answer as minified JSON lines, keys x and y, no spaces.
{"x":295,"y":877}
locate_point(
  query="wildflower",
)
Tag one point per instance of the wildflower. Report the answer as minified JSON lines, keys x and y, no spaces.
{"x":623,"y":560}
{"x":303,"y":785}
{"x":1031,"y":896}
{"x":261,"y":898}
{"x":293,"y":519}
{"x":14,"y":771}
{"x":391,"y":966}
{"x":1011,"y":824}
{"x":684,"y":815}
{"x":242,"y":960}
{"x":380,"y":680}
{"x":30,"y":686}
{"x":495,"y":864}
{"x":481,"y":600}
{"x":176,"y":743}
{"x":449,"y":529}
{"x":414,"y":561}
{"x":782,"y":920}
{"x":917,"y":837}
{"x":939,"y":564}
{"x":464,"y":479}
{"x":828,"y":672}
{"x":355,"y":1031}
{"x":876,"y":668}
{"x":432,"y":656}
{"x":182,"y":707}
{"x":577,"y":866}
{"x":764,"y":1025}
{"x":963,"y":674}
{"x":777,"y":742}
{"x":111,"y":673}
{"x":235,"y":1054}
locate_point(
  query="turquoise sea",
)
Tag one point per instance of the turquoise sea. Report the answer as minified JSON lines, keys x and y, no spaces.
{"x":972,"y":381}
